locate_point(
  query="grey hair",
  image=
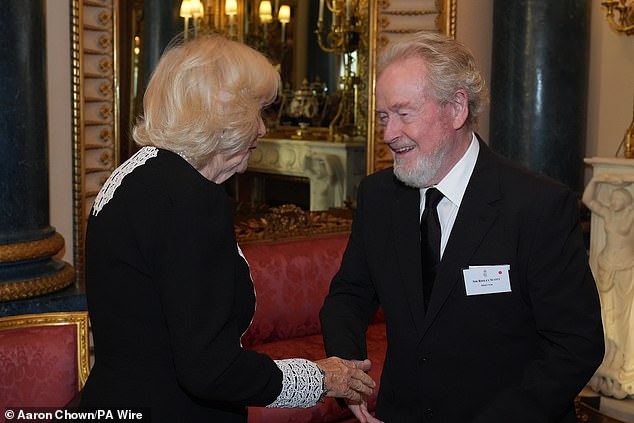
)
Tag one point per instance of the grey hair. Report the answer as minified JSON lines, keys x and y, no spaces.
{"x":450,"y":65}
{"x":205,"y":98}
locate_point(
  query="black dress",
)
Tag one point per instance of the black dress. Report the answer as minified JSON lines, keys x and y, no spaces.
{"x":169,"y":296}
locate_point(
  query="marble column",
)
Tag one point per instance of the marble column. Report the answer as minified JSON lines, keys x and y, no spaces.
{"x":27,"y":241}
{"x":539,"y":84}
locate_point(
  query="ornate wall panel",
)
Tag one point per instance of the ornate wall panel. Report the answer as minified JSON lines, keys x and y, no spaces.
{"x":94,"y":109}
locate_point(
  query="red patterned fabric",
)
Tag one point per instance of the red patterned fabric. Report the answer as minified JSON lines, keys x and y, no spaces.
{"x":312,"y":348}
{"x":38,"y":366}
{"x":291,"y":280}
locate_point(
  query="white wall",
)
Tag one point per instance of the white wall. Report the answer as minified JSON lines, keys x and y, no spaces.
{"x":59,"y":121}
{"x":611,"y":92}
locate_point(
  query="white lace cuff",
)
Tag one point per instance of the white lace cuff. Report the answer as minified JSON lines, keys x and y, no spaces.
{"x":301,"y":384}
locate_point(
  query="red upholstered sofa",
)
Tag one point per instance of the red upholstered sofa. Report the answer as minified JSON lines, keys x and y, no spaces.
{"x":291,"y":279}
{"x":43,"y":359}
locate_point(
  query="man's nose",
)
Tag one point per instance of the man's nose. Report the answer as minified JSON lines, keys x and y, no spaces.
{"x":391,"y":131}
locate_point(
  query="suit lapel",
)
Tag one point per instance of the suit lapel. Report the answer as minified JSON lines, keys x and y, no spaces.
{"x":406,"y":226}
{"x":476,"y":215}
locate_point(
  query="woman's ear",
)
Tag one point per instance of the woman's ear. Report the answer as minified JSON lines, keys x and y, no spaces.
{"x":460,"y":108}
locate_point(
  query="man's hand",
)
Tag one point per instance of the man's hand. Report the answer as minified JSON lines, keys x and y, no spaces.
{"x":360,"y":411}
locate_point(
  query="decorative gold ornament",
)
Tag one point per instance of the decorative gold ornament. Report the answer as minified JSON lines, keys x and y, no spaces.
{"x":289,"y":222}
{"x":38,"y":286}
{"x":31,"y":250}
{"x":623,"y":20}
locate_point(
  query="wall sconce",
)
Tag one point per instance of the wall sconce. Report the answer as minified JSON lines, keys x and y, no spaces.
{"x":265,"y":12}
{"x":209,"y":17}
{"x":625,"y":10}
{"x":266,"y":28}
{"x":231,"y":10}
{"x":191,"y":9}
{"x":623,"y":24}
{"x":284,"y":16}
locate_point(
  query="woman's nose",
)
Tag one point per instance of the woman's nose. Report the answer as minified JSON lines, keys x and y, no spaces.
{"x":261,"y":127}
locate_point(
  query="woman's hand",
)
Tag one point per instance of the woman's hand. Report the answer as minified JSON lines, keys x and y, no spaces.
{"x":346,"y":379}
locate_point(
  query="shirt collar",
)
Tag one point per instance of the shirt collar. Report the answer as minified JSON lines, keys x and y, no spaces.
{"x":454,"y":184}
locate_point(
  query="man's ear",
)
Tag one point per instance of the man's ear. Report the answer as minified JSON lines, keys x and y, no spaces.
{"x":460,"y":108}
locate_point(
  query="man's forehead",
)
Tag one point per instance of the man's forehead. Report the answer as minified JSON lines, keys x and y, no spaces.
{"x":409,"y":64}
{"x":398,"y":96}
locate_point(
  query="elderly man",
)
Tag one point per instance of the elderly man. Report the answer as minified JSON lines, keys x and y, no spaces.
{"x":480,"y":267}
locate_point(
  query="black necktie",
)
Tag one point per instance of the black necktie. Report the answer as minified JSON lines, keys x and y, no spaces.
{"x":430,"y":241}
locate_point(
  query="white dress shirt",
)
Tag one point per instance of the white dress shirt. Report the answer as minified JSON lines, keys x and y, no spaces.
{"x":453,"y":186}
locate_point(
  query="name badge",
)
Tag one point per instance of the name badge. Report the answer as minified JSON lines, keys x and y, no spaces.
{"x":479,"y":280}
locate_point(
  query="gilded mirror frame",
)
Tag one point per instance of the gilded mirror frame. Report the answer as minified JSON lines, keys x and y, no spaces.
{"x":95,"y":90}
{"x":389,"y":20}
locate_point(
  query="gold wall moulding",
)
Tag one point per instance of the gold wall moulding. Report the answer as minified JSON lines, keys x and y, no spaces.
{"x":95,"y":109}
{"x":410,"y":12}
{"x":628,"y":141}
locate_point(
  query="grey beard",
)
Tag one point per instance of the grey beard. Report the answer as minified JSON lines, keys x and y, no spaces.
{"x":424,"y":171}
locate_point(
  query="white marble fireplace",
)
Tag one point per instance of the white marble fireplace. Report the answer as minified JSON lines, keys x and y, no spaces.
{"x":334,"y":170}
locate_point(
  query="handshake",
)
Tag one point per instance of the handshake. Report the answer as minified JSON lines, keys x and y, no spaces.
{"x":348,"y":380}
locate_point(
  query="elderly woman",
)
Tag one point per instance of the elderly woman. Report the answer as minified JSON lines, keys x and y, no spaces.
{"x":169,"y":292}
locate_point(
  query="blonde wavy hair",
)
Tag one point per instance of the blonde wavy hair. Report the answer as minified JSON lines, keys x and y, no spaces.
{"x":450,"y":65}
{"x":205,"y":97}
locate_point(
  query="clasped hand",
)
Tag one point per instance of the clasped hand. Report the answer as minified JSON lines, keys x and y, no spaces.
{"x":346,"y":379}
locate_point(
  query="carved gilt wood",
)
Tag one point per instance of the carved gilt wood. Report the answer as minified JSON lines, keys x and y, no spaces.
{"x":95,"y":132}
